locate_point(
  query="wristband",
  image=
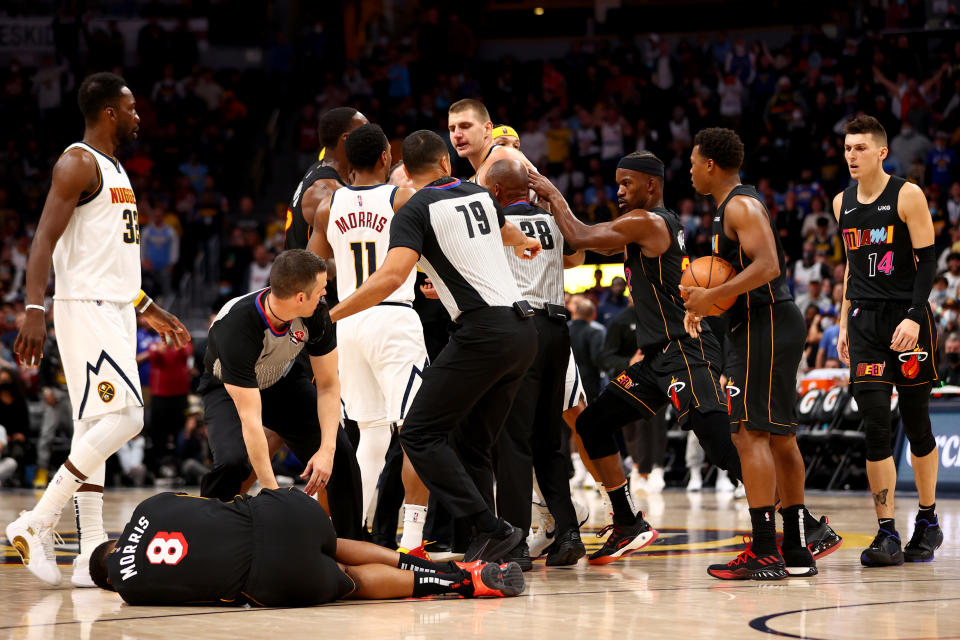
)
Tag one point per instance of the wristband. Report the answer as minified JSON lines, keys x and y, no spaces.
{"x":916,"y":314}
{"x":38,"y":307}
{"x":139,"y":298}
{"x":146,"y":306}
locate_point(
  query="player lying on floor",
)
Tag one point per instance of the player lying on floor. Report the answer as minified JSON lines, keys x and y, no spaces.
{"x":276,"y":549}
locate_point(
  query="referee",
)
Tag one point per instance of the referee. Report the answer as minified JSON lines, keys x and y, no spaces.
{"x":457,"y":232}
{"x":531,"y":436}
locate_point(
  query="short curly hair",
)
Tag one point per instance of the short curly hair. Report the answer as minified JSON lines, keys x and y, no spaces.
{"x":365,"y":145}
{"x":723,"y":146}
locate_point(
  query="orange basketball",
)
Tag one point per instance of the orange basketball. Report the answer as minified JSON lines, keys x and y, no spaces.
{"x":709,"y":272}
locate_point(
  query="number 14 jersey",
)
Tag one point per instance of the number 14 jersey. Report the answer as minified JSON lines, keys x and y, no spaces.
{"x":879,"y":250}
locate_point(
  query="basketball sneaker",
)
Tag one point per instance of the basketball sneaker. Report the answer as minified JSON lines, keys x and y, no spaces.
{"x":33,"y":540}
{"x":623,"y":540}
{"x":521,"y":555}
{"x":749,"y":566}
{"x":489,"y":579}
{"x":884,"y":551}
{"x":538,"y":542}
{"x":798,"y":562}
{"x":823,"y":540}
{"x":494,"y":546}
{"x":926,"y":539}
{"x":81,"y":571}
{"x":567,"y":550}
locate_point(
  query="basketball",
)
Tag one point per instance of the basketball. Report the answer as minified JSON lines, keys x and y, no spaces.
{"x":709,"y":272}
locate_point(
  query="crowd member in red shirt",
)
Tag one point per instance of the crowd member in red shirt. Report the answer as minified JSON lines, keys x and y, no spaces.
{"x":169,"y":386}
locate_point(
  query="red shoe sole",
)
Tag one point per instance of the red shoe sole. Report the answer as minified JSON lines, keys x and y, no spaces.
{"x":609,"y":559}
{"x":824,"y":554}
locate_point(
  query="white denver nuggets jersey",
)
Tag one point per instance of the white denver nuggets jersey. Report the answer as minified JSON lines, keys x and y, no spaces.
{"x":359,"y":232}
{"x":98,"y":255}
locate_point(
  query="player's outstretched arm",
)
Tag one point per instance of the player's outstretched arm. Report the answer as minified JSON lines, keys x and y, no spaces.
{"x":167,"y":325}
{"x":398,"y":264}
{"x":74,"y":174}
{"x":320,"y":466}
{"x":247,"y":401}
{"x":521,"y":242}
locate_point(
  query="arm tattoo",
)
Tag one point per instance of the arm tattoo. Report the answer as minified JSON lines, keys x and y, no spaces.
{"x":880,"y":498}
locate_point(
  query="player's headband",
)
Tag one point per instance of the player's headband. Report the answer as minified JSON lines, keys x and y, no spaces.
{"x":648,"y":165}
{"x":504,"y":130}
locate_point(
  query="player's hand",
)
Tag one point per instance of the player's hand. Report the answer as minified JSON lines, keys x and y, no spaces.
{"x":636,"y":357}
{"x":541,"y":186}
{"x":697,"y":300}
{"x":529,"y":249}
{"x":843,"y":347}
{"x":905,"y":336}
{"x":170,"y":329}
{"x":428,"y":290}
{"x":318,"y":470}
{"x":31,"y":338}
{"x":691,"y":322}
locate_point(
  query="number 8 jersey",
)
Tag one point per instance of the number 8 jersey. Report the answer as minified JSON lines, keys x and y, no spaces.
{"x":98,"y":255}
{"x":878,"y":245}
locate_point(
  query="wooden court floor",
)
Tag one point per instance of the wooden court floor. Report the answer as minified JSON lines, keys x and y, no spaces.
{"x":662,"y":593}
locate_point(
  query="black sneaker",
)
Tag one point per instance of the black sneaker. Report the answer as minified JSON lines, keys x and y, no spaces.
{"x":566,"y":550}
{"x":495,"y":546}
{"x":823,"y":540}
{"x":624,"y":540}
{"x":926,"y":539}
{"x":799,"y":562}
{"x":749,"y":566}
{"x":884,"y":551}
{"x":521,"y":555}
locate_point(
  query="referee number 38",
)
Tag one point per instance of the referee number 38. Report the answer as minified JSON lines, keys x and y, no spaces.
{"x":167,"y":548}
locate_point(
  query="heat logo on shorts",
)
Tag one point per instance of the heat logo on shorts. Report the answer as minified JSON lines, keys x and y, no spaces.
{"x":675,"y":387}
{"x":856,"y":238}
{"x":732,"y":392}
{"x":910,"y":362}
{"x":106,"y":391}
{"x":871,"y":369}
{"x":624,"y":380}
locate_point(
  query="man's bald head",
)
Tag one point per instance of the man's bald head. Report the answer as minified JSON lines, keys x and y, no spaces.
{"x":507,"y":180}
{"x":584,"y":309}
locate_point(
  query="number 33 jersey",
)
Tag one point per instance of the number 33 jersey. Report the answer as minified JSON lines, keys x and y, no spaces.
{"x":878,"y":245}
{"x":98,"y":255}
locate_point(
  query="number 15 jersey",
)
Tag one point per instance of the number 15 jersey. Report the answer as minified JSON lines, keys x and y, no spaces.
{"x":98,"y":255}
{"x":358,"y":230}
{"x":878,"y":245}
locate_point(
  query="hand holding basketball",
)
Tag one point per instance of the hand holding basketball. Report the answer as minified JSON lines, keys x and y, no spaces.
{"x":696,"y":283}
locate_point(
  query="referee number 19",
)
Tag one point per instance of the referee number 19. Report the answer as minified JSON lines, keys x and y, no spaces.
{"x":479,"y":215}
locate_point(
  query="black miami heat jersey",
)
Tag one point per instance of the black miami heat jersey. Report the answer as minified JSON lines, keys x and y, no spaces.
{"x":297,"y":231}
{"x":879,"y":249}
{"x":654,"y":284}
{"x":777,"y":290}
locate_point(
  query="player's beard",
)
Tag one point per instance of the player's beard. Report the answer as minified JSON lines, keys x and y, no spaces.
{"x":127,"y":136}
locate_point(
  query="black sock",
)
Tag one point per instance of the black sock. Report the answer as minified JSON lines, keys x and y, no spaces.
{"x":928,"y":513}
{"x":421,"y":565}
{"x":888,"y":524}
{"x":792,"y":522}
{"x":809,"y":522}
{"x":764,"y":531}
{"x":433,"y":584}
{"x":622,"y":508}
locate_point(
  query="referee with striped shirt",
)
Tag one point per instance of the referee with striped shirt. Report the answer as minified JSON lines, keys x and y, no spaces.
{"x":456,"y":231}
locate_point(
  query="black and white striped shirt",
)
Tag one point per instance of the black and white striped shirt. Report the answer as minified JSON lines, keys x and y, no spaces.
{"x":455,"y":227}
{"x":540,"y":280}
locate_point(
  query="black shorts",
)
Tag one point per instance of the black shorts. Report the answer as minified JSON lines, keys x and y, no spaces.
{"x":684,"y":373}
{"x":764,"y":350}
{"x":873,"y":364}
{"x":293,"y":552}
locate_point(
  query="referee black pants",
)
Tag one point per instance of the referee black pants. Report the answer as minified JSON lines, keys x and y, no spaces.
{"x":289,"y":408}
{"x":468,"y":388}
{"x":532,"y":437}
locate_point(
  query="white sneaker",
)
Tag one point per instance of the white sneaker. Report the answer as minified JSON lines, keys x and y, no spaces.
{"x":740,"y":493}
{"x":583,"y":512}
{"x":81,"y":572}
{"x":723,"y":484}
{"x":545,"y":535}
{"x":580,"y":473}
{"x":655,"y":481}
{"x":638,"y":484}
{"x":33,"y":540}
{"x":696,"y":481}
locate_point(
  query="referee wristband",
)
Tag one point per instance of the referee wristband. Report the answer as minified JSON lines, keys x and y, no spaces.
{"x":38,"y":307}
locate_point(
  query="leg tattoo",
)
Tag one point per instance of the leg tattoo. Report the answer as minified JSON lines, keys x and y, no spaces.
{"x":880,"y":498}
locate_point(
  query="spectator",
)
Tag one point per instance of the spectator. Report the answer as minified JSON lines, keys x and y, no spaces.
{"x":259,"y":276}
{"x":952,"y":274}
{"x":169,"y":386}
{"x":8,"y":465}
{"x":614,"y":302}
{"x":909,"y":145}
{"x":950,"y":369}
{"x":953,"y":205}
{"x":160,"y":246}
{"x":586,"y":340}
{"x":57,"y":410}
{"x":827,"y":356}
{"x":942,"y":162}
{"x":807,"y":269}
{"x":193,"y":450}
{"x":814,"y":296}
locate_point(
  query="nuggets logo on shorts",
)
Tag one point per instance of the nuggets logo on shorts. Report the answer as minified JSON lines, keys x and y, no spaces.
{"x":872,"y":369}
{"x":911,"y":360}
{"x":106,"y":391}
{"x":675,"y":387}
{"x":624,"y":380}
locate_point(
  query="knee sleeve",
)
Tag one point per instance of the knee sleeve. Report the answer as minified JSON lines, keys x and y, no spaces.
{"x":596,"y":433}
{"x":371,"y":452}
{"x":103,"y":437}
{"x":915,"y":412}
{"x":874,"y":408}
{"x":713,"y":431}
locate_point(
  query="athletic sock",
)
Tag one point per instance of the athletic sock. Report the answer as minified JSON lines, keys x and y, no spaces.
{"x":623,"y":512}
{"x":793,"y":535}
{"x":434,"y":584}
{"x":809,"y":522}
{"x":928,"y":513}
{"x":414,"y":517}
{"x":88,"y":506}
{"x":888,"y":524}
{"x":408,"y":562}
{"x":57,"y":493}
{"x":764,"y":531}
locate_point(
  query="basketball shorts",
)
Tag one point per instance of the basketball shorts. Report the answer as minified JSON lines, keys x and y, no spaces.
{"x":681,"y":372}
{"x":382,"y":358}
{"x":873,"y":364}
{"x":573,"y":391}
{"x":293,"y":554}
{"x":98,"y":349}
{"x":764,"y":350}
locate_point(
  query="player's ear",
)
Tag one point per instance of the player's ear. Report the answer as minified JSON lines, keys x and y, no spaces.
{"x":883,"y":153}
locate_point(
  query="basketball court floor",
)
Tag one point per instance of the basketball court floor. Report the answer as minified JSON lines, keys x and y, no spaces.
{"x":662,"y":592}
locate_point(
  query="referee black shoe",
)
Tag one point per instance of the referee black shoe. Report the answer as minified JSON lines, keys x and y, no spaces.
{"x":494,"y":546}
{"x":884,"y":551}
{"x":521,"y":555}
{"x":623,"y":540}
{"x":926,"y":539}
{"x":567,"y":549}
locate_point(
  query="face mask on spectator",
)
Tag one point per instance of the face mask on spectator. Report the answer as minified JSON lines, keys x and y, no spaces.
{"x":949,"y":317}
{"x":953,"y":358}
{"x":826,"y":323}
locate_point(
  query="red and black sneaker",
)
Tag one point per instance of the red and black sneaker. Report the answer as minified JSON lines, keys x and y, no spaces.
{"x":823,"y":540}
{"x":490,"y":580}
{"x":749,"y":566}
{"x":624,"y":540}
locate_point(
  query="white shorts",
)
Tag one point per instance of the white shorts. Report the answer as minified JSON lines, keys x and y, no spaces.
{"x":98,"y":348}
{"x":382,"y":357}
{"x":573,"y":391}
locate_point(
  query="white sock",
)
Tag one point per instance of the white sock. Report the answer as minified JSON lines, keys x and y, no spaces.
{"x":57,"y":493}
{"x":89,"y":509}
{"x":414,"y":517}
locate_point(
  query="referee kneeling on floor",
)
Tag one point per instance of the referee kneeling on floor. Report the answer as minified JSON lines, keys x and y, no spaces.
{"x":456,"y":231}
